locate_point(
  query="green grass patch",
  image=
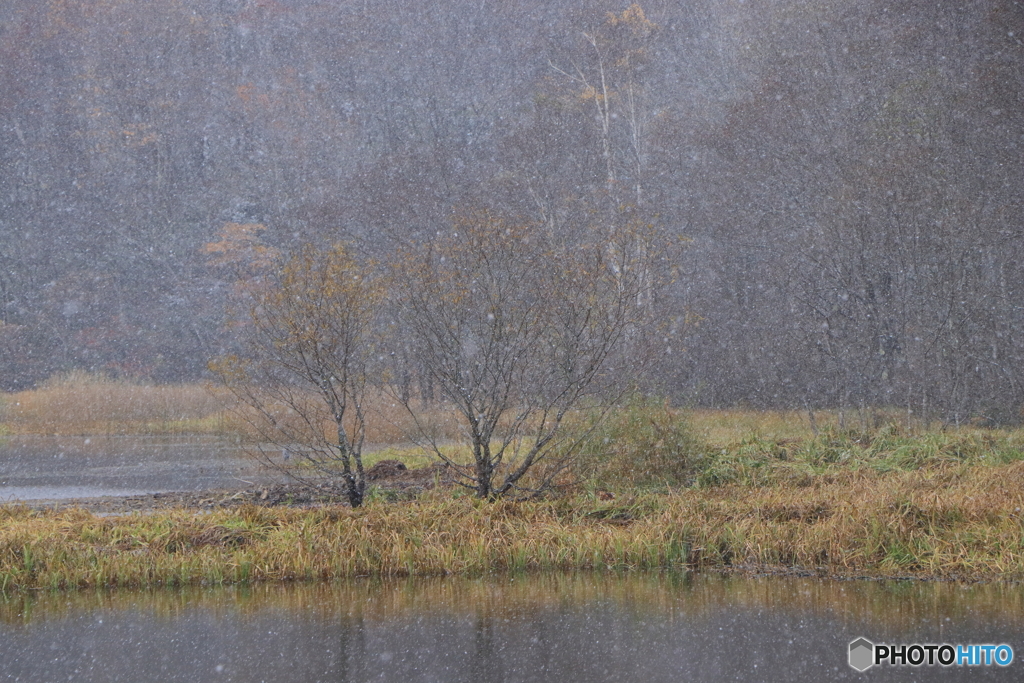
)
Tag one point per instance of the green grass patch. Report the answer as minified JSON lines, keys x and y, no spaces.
{"x":643,"y":445}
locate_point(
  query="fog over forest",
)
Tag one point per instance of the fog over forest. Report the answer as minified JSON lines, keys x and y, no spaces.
{"x":847,"y":174}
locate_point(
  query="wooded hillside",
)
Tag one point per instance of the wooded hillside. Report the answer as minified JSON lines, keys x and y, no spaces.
{"x":847,"y":175}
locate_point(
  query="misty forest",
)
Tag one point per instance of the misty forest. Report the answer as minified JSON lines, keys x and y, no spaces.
{"x":835,"y":186}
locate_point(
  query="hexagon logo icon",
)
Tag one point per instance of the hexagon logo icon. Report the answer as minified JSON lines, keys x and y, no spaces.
{"x":862,"y":654}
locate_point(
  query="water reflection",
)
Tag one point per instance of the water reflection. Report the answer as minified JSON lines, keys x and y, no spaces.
{"x":550,"y":627}
{"x":59,"y":468}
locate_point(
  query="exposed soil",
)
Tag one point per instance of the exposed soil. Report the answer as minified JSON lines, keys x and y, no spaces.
{"x":390,"y":478}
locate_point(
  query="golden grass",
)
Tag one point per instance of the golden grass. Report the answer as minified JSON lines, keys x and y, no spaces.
{"x":954,"y":522}
{"x":894,"y":500}
{"x":729,"y":426}
{"x":79,"y":403}
{"x":388,"y":422}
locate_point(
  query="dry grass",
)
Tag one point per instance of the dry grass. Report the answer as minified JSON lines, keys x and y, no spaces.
{"x":953,"y":521}
{"x":80,"y":403}
{"x":760,"y":489}
{"x":724,"y":427}
{"x":949,"y":522}
{"x":387,"y":421}
{"x":727,"y":427}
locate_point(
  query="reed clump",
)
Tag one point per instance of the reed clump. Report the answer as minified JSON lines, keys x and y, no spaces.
{"x":644,"y":444}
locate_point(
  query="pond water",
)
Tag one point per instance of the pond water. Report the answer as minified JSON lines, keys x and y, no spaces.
{"x":588,"y":627}
{"x":57,"y":468}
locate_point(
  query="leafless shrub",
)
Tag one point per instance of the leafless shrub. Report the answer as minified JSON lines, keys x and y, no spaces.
{"x":517,"y":328}
{"x":302,"y":373}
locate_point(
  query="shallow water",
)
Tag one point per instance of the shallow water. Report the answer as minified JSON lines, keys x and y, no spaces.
{"x":57,"y":468}
{"x":589,"y":627}
{"x":20,"y":493}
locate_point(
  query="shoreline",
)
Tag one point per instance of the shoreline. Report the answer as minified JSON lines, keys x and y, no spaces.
{"x":390,"y":483}
{"x":960,"y":524}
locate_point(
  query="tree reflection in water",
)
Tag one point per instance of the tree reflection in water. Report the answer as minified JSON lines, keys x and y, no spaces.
{"x":545,"y":627}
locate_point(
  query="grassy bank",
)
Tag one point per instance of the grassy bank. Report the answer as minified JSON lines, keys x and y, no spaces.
{"x":655,"y":488}
{"x":956,"y":522}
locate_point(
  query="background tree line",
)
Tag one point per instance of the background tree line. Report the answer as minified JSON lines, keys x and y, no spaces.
{"x":846,"y":174}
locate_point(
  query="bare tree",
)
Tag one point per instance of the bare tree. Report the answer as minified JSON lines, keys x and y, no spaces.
{"x":611,"y":78}
{"x":302,"y":374}
{"x":518,"y":330}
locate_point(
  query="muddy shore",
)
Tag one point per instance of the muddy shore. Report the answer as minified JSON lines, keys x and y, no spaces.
{"x":388,"y":478}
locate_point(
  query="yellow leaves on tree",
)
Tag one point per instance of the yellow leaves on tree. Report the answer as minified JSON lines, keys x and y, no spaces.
{"x":302,"y":370}
{"x":321,"y":299}
{"x":241,"y":248}
{"x":626,"y":37}
{"x":634,"y":19}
